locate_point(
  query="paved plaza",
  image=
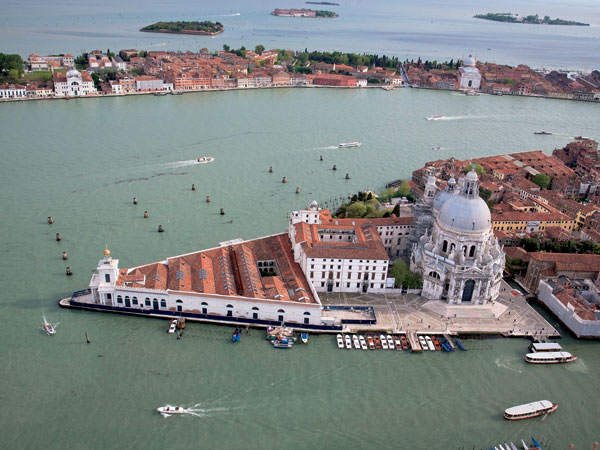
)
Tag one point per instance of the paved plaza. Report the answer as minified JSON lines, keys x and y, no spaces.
{"x":509,"y":315}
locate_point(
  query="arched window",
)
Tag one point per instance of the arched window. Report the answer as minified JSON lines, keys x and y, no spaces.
{"x":147,"y":301}
{"x":472,"y":251}
{"x":127,"y":301}
{"x":434,"y":274}
{"x":119,"y":299}
{"x":204,"y":308}
{"x":254,"y":312}
{"x":179,"y":304}
{"x":306,"y":317}
{"x":445,"y":246}
{"x":134,"y":300}
{"x":452,"y":246}
{"x":464,"y":250}
{"x":281,"y":312}
{"x":229,"y":310}
{"x":163,"y":303}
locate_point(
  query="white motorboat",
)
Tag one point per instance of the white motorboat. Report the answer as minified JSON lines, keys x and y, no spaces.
{"x":390,"y":341}
{"x":397,"y":343}
{"x":384,"y":342}
{"x":356,"y":342}
{"x":304,"y":338}
{"x":349,"y":144}
{"x":340,"y":341}
{"x":47,"y":327}
{"x":173,"y":326}
{"x":363,"y":342}
{"x":423,"y":343}
{"x":430,"y":343}
{"x":205,"y":159}
{"x":348,"y":342}
{"x":435,"y":117}
{"x":168,"y":410}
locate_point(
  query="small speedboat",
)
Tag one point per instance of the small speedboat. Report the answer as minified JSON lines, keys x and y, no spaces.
{"x":436,"y":344}
{"x":430,"y":343}
{"x":47,"y":327}
{"x":340,"y":341}
{"x":460,"y":345}
{"x":304,"y":338}
{"x":423,"y":343}
{"x":437,"y":147}
{"x":349,"y":144}
{"x":390,"y":341}
{"x":348,"y":342}
{"x":542,"y":133}
{"x":581,"y":138}
{"x":205,"y":159}
{"x":363,"y":342}
{"x":356,"y":342}
{"x":435,"y":117}
{"x":378,"y":344}
{"x":404,"y":342}
{"x":173,"y":326}
{"x":236,"y":336}
{"x":282,"y":343}
{"x":397,"y":343}
{"x":384,"y":342}
{"x":167,"y":410}
{"x":370,"y":342}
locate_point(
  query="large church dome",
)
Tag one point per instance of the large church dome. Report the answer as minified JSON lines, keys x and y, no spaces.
{"x":469,"y":61}
{"x":466,"y":212}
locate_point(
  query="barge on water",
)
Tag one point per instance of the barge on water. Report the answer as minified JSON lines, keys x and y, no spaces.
{"x":528,"y":410}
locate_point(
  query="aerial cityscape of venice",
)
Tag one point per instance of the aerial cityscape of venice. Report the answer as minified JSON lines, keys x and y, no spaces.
{"x":403,"y":197}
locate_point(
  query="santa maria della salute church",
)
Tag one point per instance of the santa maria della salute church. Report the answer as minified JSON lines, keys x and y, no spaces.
{"x":457,"y":253}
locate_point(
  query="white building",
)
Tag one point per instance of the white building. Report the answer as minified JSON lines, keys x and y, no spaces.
{"x":239,"y":282}
{"x":12,"y":91}
{"x":146,"y":83}
{"x":116,"y":87}
{"x":460,"y":259}
{"x":470,"y":78}
{"x":73,"y":84}
{"x":346,"y":255}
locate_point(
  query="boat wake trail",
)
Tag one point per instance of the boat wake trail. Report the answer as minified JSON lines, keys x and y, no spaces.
{"x":191,"y":162}
{"x":461,"y":117}
{"x":198,"y":411}
{"x":330,"y":147}
{"x":505,"y":365}
{"x":224,"y":15}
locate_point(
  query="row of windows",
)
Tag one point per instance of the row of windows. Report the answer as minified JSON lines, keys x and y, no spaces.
{"x":204,"y":305}
{"x":368,"y":261}
{"x":337,"y":285}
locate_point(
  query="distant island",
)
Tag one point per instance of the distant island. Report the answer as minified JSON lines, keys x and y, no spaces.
{"x":181,"y":27}
{"x":323,"y":3}
{"x":303,"y":13}
{"x":531,"y":19}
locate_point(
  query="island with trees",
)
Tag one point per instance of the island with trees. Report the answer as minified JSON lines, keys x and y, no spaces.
{"x":181,"y":27}
{"x":319,"y":13}
{"x":531,"y":19}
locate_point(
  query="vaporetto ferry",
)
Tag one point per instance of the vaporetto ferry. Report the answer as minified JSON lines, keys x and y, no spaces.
{"x":528,"y":410}
{"x":549,"y":357}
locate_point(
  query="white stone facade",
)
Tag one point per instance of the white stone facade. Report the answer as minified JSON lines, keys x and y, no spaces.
{"x":12,"y":91}
{"x":460,"y":259}
{"x":106,"y":292}
{"x":74,"y":85}
{"x":470,"y":78}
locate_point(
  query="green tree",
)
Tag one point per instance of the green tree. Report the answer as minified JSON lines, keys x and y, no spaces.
{"x":96,"y":79}
{"x":259,"y":49}
{"x":404,"y":277}
{"x":396,"y":210}
{"x":479,"y":170}
{"x":226,"y":48}
{"x":356,"y":210}
{"x":542,"y":180}
{"x":11,"y":64}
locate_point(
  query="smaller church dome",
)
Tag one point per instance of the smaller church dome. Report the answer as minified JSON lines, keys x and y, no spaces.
{"x":469,"y":61}
{"x":73,"y":72}
{"x":107,"y":252}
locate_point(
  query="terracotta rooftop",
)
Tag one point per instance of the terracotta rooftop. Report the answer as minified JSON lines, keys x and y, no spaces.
{"x":231,"y":270}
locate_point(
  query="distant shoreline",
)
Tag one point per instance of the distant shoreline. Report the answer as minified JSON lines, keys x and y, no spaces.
{"x":533,"y":19}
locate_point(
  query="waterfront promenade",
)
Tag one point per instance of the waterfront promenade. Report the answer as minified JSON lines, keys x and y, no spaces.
{"x":510,"y":315}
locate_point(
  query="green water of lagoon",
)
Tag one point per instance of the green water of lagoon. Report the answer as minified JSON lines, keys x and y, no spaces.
{"x":82,"y":161}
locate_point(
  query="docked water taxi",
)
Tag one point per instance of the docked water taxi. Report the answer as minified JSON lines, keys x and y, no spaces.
{"x":539,"y":408}
{"x":536,"y":347}
{"x":549,"y":357}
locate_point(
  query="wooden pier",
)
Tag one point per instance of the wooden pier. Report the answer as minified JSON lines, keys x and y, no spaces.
{"x":414,"y":341}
